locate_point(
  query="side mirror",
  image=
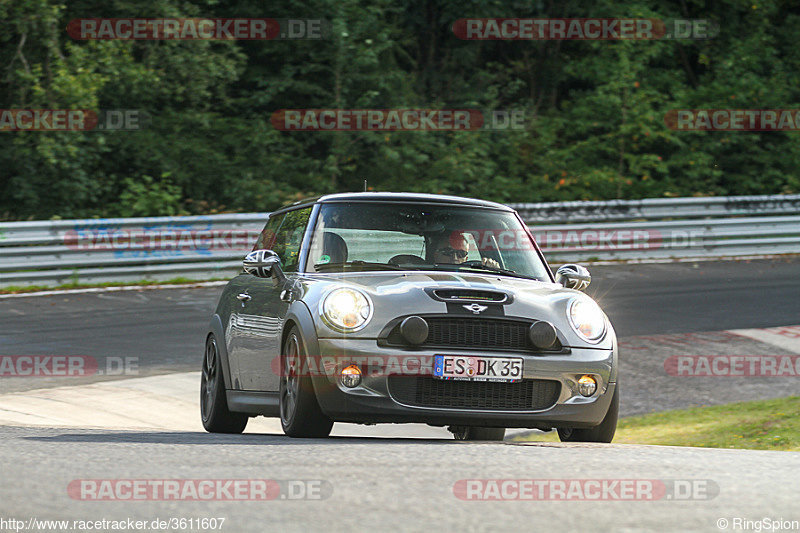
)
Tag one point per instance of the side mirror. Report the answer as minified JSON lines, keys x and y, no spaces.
{"x":261,"y":263}
{"x":573,"y":276}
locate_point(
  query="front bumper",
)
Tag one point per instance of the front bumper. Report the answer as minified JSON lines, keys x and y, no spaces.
{"x":373,"y":402}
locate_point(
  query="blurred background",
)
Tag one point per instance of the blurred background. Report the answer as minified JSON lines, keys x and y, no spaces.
{"x":596,"y":108}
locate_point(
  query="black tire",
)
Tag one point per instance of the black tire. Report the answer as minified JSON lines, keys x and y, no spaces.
{"x":301,"y":415}
{"x":216,"y":416}
{"x":477,"y":433}
{"x":604,"y":432}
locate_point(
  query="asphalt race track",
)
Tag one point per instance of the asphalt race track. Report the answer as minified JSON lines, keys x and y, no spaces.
{"x":397,"y":484}
{"x":165,"y":328}
{"x":144,"y":424}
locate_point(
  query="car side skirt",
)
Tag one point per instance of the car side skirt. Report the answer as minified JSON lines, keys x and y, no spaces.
{"x":253,"y":402}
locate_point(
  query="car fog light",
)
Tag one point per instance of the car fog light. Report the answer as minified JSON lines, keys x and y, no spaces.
{"x":587,"y":385}
{"x":351,"y":376}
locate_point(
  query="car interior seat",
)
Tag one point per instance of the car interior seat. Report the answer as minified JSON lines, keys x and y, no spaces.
{"x":333,"y":246}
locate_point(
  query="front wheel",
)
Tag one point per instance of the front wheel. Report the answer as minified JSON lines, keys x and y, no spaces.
{"x":216,"y":416}
{"x":300,"y":412}
{"x":477,"y":433}
{"x":604,"y":432}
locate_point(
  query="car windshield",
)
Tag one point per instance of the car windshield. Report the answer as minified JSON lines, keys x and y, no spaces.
{"x":397,"y":236}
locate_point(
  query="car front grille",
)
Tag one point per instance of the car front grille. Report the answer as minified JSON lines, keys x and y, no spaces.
{"x":525,"y":395}
{"x":468,"y":332}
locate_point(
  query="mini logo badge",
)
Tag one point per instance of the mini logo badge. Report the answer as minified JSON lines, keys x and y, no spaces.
{"x":476,"y":308}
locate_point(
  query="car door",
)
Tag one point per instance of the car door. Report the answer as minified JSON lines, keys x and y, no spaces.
{"x":243,"y":314}
{"x":264,"y":309}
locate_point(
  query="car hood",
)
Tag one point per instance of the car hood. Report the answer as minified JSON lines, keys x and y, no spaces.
{"x":396,"y":294}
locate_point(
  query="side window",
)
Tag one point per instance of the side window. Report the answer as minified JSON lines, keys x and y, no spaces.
{"x":267,"y":238}
{"x":289,"y":237}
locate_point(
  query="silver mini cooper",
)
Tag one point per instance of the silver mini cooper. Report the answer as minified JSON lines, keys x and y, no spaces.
{"x":391,"y":308}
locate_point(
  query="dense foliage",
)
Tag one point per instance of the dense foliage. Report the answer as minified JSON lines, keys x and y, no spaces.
{"x":598,"y":106}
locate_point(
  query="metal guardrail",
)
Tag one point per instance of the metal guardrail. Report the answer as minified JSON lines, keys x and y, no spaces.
{"x":125,"y":249}
{"x":666,"y":228}
{"x":211,"y":247}
{"x":659,"y":208}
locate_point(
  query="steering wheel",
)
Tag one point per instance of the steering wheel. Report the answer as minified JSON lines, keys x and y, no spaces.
{"x":406,"y":259}
{"x":480,"y":264}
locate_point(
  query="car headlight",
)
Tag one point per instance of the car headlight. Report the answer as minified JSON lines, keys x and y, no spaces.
{"x":346,"y":309}
{"x":587,"y":319}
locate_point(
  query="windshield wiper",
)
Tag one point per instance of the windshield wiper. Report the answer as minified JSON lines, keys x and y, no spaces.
{"x":497,"y":270}
{"x":361,"y":265}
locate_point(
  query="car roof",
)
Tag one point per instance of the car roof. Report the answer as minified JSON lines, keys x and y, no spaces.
{"x":389,"y":197}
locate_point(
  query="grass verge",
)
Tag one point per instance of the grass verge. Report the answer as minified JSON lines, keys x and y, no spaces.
{"x":759,"y":425}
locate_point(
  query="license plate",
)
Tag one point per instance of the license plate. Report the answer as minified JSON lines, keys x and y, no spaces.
{"x":474,"y":368}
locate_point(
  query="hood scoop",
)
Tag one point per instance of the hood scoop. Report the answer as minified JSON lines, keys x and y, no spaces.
{"x":462,"y":295}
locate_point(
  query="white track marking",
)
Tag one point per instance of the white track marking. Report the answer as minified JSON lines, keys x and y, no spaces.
{"x":167,"y":402}
{"x":56,"y":292}
{"x":785,"y":337}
